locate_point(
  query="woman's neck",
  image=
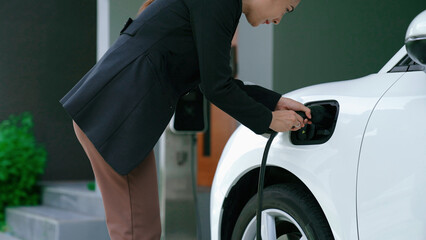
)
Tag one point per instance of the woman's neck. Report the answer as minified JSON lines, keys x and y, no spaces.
{"x":246,"y":5}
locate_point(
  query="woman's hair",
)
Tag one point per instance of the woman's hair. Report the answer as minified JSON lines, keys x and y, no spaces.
{"x":146,"y":4}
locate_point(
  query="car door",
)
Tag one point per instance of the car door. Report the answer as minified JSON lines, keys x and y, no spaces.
{"x":391,"y":189}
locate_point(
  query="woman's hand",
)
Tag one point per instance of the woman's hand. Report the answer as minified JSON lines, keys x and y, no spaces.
{"x":284,"y":118}
{"x":290,"y":104}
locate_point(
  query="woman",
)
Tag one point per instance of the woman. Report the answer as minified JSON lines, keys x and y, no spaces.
{"x":123,"y":104}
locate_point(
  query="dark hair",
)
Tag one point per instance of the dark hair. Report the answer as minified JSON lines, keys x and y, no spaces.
{"x":146,"y":4}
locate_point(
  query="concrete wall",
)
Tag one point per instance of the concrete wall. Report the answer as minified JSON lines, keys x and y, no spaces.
{"x":45,"y":48}
{"x":120,"y":11}
{"x":255,"y":53}
{"x":323,"y":41}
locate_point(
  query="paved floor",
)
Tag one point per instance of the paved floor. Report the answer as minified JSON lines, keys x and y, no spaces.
{"x":204,"y":211}
{"x":4,"y":236}
{"x":181,"y":218}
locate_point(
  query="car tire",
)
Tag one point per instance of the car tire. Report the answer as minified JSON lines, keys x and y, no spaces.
{"x":289,"y":210}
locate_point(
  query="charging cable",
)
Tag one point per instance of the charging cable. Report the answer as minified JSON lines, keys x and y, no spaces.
{"x":260,"y":186}
{"x":194,"y":187}
{"x":319,"y":114}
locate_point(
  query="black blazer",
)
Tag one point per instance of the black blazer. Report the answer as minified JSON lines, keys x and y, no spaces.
{"x":124,"y":103}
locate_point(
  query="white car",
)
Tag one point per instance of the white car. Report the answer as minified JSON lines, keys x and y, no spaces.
{"x":359,"y":175}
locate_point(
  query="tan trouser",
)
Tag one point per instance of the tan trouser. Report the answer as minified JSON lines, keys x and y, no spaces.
{"x":130,"y":201}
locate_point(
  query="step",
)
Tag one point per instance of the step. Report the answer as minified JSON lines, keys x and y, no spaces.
{"x":6,"y":236}
{"x":73,"y":196}
{"x":48,"y":223}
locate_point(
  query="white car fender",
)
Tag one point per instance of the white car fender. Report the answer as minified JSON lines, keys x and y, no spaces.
{"x":328,"y":170}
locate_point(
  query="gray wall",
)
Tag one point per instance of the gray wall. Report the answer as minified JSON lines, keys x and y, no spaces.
{"x":45,"y":48}
{"x":120,"y":11}
{"x":255,"y":53}
{"x":323,"y":41}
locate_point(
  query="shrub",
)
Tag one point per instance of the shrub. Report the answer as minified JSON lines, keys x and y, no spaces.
{"x":22,"y":161}
{"x":91,"y":186}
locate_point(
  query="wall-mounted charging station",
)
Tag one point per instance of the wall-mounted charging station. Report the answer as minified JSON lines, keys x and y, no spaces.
{"x":190,"y":116}
{"x":178,"y":164}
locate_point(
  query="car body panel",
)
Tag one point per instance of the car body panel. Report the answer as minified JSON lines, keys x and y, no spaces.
{"x":328,"y":170}
{"x":393,"y":61}
{"x":392,"y":179}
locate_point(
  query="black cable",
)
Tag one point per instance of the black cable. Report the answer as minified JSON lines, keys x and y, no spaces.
{"x":194,"y":187}
{"x":260,"y":186}
{"x":319,"y":114}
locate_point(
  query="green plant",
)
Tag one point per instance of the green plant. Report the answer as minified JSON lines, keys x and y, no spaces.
{"x":22,"y":161}
{"x":91,"y":186}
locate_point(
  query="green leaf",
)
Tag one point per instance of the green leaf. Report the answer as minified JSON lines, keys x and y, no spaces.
{"x":22,"y":160}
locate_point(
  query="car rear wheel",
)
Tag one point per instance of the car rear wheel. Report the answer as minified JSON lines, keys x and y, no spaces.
{"x":289,"y":212}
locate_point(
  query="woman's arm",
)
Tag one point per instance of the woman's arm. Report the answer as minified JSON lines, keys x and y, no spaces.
{"x":213,"y":24}
{"x":262,"y":95}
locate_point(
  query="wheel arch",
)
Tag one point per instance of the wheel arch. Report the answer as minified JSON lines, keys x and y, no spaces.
{"x":245,"y":188}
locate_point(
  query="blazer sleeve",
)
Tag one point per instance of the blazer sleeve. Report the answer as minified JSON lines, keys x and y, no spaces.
{"x":262,"y":95}
{"x":213,"y":23}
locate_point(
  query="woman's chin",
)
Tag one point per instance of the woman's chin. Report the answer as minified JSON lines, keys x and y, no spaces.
{"x":251,"y":22}
{"x":254,"y":24}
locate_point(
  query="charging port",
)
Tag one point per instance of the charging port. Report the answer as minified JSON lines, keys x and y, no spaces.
{"x":324,"y":118}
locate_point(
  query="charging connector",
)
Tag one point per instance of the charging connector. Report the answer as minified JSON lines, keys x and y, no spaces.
{"x":324,"y":119}
{"x":322,"y":115}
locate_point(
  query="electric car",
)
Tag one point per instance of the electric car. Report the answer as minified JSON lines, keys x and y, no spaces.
{"x":357,"y":173}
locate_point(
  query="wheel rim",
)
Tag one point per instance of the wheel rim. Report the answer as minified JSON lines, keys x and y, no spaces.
{"x":276,"y":225}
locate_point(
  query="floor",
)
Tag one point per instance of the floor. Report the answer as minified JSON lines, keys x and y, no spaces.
{"x":185,"y":222}
{"x":182,"y":213}
{"x":204,"y":211}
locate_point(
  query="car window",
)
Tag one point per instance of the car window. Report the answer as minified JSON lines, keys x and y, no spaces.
{"x":407,"y":65}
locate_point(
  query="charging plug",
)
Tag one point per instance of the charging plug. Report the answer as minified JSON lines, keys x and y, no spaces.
{"x":319,"y":114}
{"x":323,"y":118}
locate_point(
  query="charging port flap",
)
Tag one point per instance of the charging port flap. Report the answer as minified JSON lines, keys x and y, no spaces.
{"x":324,"y":118}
